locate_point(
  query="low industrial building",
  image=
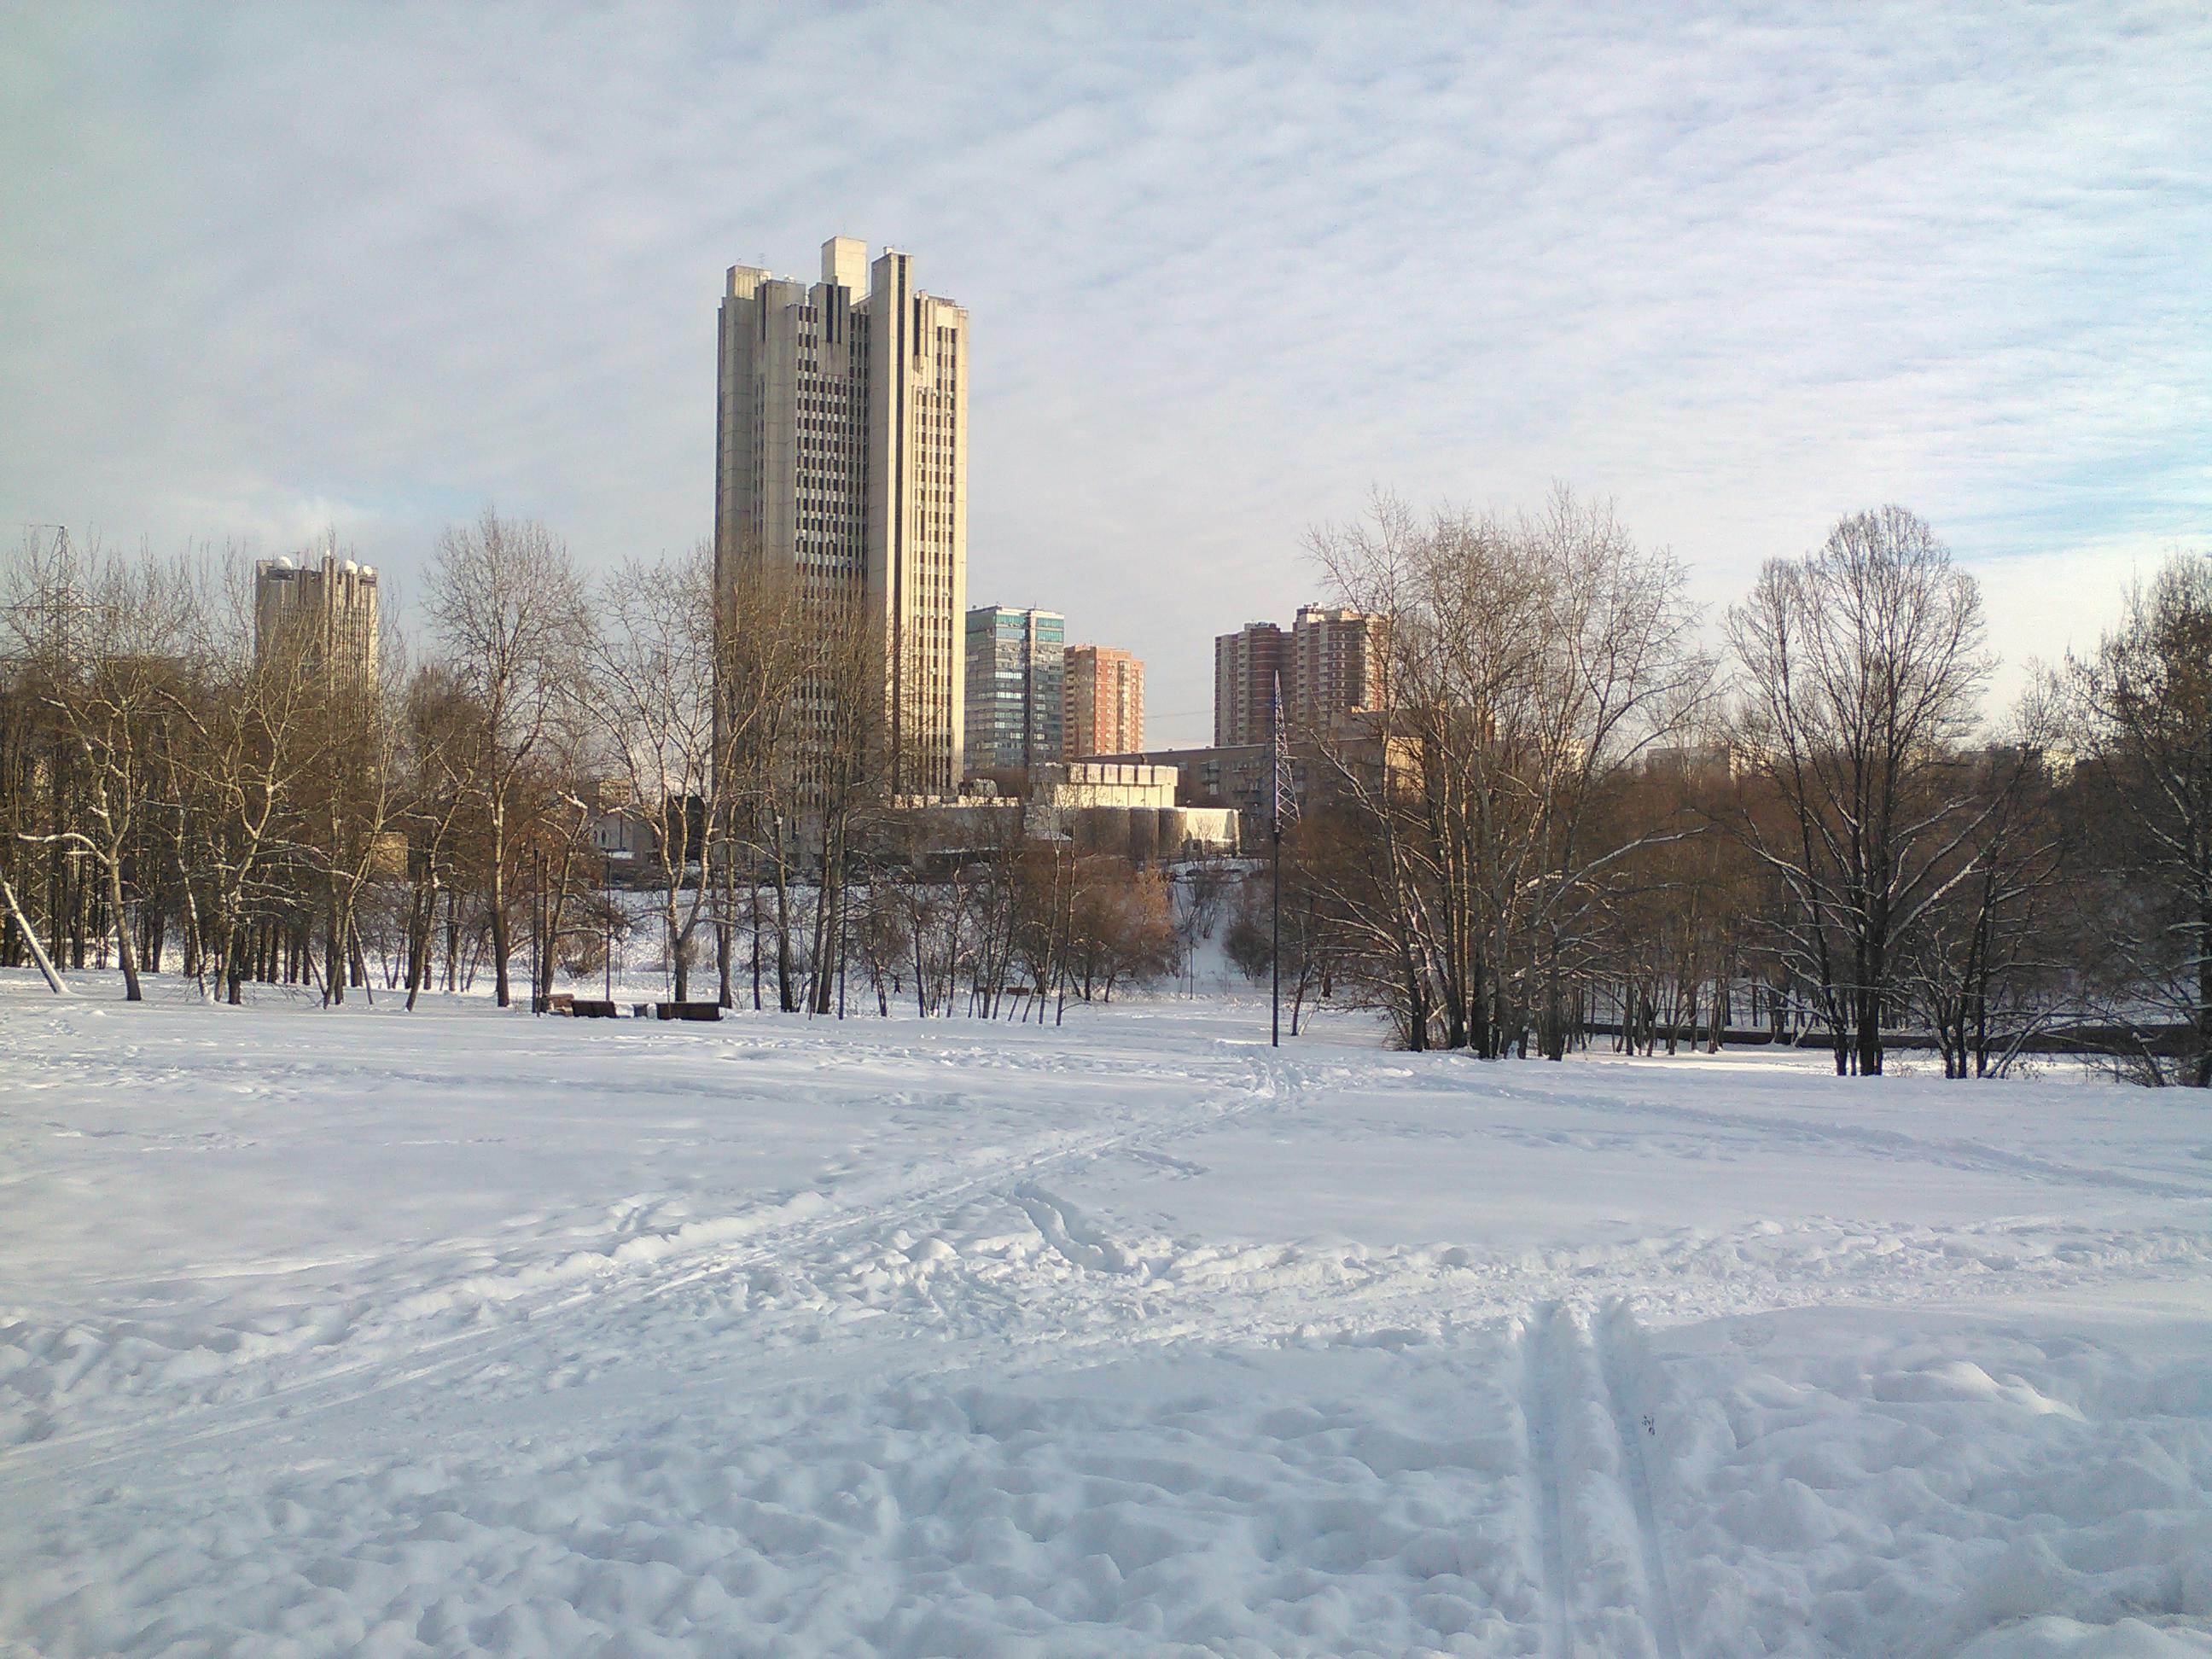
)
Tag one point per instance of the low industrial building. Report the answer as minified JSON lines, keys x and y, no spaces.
{"x":1128,"y":810}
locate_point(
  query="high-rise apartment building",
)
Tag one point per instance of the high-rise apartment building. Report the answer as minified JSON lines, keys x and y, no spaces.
{"x":326,"y":609}
{"x":1015,"y":688}
{"x":1105,"y":702}
{"x":1330,"y":663}
{"x":1245,"y":665}
{"x":842,"y":471}
{"x":1333,"y":666}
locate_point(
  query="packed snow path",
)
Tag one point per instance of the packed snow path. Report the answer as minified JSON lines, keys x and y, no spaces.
{"x":355,"y":1332}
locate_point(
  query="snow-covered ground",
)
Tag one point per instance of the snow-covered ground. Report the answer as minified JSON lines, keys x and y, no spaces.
{"x":355,"y":1332}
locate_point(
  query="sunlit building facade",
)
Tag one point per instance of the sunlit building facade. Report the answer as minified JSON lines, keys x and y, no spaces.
{"x":1328,"y":666}
{"x":326,"y":608}
{"x":1245,"y":665}
{"x":841,"y":474}
{"x":1105,"y":701}
{"x":1015,"y":688}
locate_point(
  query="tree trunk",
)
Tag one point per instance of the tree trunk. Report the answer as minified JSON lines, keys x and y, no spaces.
{"x":126,"y":954}
{"x":31,"y":940}
{"x":786,"y":991}
{"x":725,"y":938}
{"x":334,"y":979}
{"x":2203,"y":1068}
{"x":1869,"y":1034}
{"x":499,"y":932}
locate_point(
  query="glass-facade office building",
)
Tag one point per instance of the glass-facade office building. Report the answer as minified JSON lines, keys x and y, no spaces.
{"x":1014,"y":687}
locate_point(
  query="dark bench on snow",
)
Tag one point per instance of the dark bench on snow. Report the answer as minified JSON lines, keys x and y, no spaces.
{"x":588,"y":1008}
{"x":687,"y":1011}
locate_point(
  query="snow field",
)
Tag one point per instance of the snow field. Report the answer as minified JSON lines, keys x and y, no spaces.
{"x":350,"y":1332}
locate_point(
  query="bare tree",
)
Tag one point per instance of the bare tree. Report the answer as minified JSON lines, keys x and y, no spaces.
{"x":2142,"y":708}
{"x":768,"y":701}
{"x":1120,"y":928}
{"x":509,"y":612}
{"x":1861,"y":664}
{"x":439,"y":734}
{"x":349,"y":803}
{"x":1317,"y":852}
{"x":845,"y":760}
{"x":1981,"y":970}
{"x":649,"y":693}
{"x":98,"y":648}
{"x":1527,"y":663}
{"x":247,"y":742}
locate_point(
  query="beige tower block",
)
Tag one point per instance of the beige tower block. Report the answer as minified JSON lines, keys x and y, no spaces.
{"x":842,"y":468}
{"x":326,"y":609}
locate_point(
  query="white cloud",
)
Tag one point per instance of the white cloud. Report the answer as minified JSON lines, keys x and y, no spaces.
{"x":1744,"y":269}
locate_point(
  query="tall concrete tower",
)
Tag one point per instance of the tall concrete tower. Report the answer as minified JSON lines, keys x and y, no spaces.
{"x":841,"y":469}
{"x":327,"y":610}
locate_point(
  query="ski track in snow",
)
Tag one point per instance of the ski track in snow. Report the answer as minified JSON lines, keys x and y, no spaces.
{"x":1539,"y":1409}
{"x":458,"y":1334}
{"x":610,"y":1287}
{"x":1635,"y":1430}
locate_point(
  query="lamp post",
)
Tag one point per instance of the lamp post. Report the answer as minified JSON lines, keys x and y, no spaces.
{"x":537,"y":976}
{"x":1275,"y":869}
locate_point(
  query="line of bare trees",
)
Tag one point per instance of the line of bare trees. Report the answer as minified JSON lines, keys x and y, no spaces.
{"x":1565,"y":816}
{"x":170,"y":789}
{"x":178,"y":794}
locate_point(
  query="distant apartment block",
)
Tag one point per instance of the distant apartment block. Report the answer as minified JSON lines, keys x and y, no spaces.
{"x":1105,"y":702}
{"x":1016,"y":691}
{"x":841,"y":474}
{"x":1333,"y":666}
{"x":327,"y":610}
{"x":1245,"y":665}
{"x":1701,"y":762}
{"x":1330,"y":664}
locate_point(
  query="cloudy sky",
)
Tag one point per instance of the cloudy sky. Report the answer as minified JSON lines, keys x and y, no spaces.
{"x":265,"y":269}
